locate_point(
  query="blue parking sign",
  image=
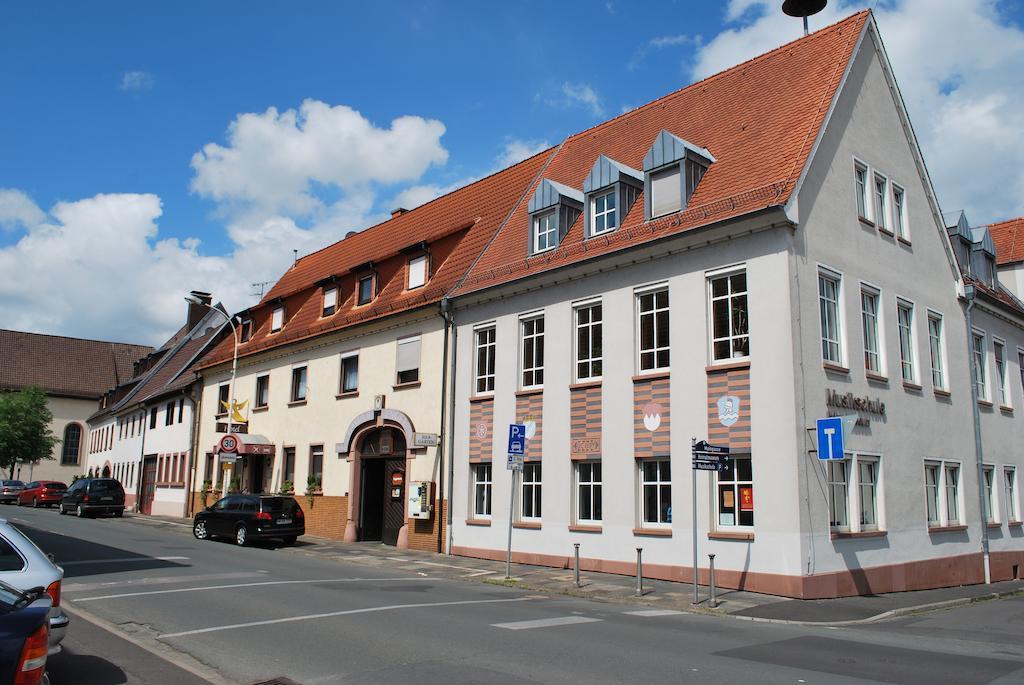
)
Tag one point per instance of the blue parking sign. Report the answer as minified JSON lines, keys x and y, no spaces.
{"x":830,"y":438}
{"x":516,"y":438}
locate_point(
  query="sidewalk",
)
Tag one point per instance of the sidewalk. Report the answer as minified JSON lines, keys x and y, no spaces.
{"x":657,"y":594}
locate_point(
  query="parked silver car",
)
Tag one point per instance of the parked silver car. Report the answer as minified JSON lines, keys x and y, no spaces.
{"x":9,"y":490}
{"x":25,"y":567}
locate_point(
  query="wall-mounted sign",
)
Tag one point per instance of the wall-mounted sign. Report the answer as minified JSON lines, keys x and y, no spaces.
{"x":652,"y":416}
{"x":222,"y":427}
{"x":378,"y":402}
{"x":425,"y":439}
{"x":728,"y":410}
{"x":481,"y":430}
{"x":848,"y":400}
{"x":397,"y":478}
{"x":586,"y":446}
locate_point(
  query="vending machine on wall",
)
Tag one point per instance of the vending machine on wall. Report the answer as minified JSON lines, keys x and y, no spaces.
{"x":421,"y":499}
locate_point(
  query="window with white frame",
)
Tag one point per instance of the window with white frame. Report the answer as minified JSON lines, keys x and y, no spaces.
{"x":867,"y":489}
{"x":299,"y":376}
{"x":1010,"y":493}
{"x":831,"y":326}
{"x":999,"y":350}
{"x":869,"y":300}
{"x":349,"y":372}
{"x":330,"y":304}
{"x":951,"y":484}
{"x":932,"y":482}
{"x":853,"y":493}
{"x":905,"y":322}
{"x":653,"y":334}
{"x":899,"y":211}
{"x":879,"y":187}
{"x":980,"y":372}
{"x":408,"y":360}
{"x":838,"y":493}
{"x":545,"y":231}
{"x":860,"y":175}
{"x":935,"y":350}
{"x":736,"y":493}
{"x":531,"y":504}
{"x":277,"y":320}
{"x":481,"y":490}
{"x":417,"y":271}
{"x":988,"y":473}
{"x":532,"y":343}
{"x":602,"y":213}
{"x":589,"y":341}
{"x":588,"y":491}
{"x":730,"y":334}
{"x":1020,"y":367}
{"x":656,"y":492}
{"x":486,"y":347}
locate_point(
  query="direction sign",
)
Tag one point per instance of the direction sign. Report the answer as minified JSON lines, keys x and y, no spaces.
{"x":703,"y":447}
{"x":701,"y":465}
{"x":516,"y":438}
{"x":830,"y":438}
{"x":515,"y":462}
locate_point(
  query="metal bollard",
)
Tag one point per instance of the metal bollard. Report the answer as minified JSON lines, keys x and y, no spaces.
{"x":712,"y":602}
{"x":639,"y":572}
{"x":577,"y":566}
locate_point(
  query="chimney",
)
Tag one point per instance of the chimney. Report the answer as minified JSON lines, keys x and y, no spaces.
{"x":196,"y":312}
{"x":398,"y":211}
{"x":350,"y":234}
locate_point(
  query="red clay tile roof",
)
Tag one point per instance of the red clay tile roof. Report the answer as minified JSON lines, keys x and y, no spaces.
{"x":997,"y":294}
{"x":456,"y":228}
{"x":70,"y":367}
{"x":1009,"y":240}
{"x":166,"y":378}
{"x":759,"y":119}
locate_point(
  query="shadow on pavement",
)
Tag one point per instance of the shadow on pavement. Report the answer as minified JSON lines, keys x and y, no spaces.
{"x":68,"y":668}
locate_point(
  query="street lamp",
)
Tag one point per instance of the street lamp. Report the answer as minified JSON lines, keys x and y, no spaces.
{"x":196,"y":300}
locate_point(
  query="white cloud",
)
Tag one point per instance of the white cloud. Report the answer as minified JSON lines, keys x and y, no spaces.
{"x":18,"y":210}
{"x":963,"y":98}
{"x":660,"y":43}
{"x":517,"y":150}
{"x":137,"y":81}
{"x":581,"y":94}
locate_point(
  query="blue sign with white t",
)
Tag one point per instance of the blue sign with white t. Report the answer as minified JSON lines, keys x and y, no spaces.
{"x":516,"y":438}
{"x":830,"y":438}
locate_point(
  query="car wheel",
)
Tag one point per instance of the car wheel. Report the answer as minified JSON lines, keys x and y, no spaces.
{"x":35,"y":502}
{"x":61,"y":509}
{"x":290,"y":539}
{"x":241,"y":535}
{"x":80,"y":512}
{"x":199,"y":530}
{"x":119,"y":513}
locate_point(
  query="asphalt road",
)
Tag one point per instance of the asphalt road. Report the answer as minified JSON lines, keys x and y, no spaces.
{"x":248,"y":615}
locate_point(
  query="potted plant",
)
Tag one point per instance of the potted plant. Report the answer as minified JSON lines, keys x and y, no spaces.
{"x":204,"y":492}
{"x":313,"y":487}
{"x":287,"y":487}
{"x":236,"y":485}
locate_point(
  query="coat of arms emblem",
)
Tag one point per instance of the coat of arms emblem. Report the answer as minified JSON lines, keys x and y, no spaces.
{"x":728,"y":410}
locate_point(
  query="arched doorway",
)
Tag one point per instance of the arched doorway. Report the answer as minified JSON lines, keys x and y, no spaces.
{"x":378,"y":492}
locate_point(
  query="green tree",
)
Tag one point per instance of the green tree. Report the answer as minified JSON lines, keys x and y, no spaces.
{"x":25,"y":434}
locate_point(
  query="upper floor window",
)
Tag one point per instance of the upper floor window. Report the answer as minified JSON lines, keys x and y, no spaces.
{"x":417,"y":271}
{"x":589,"y":341}
{"x":330,"y":301}
{"x":350,"y":372}
{"x":610,"y":189}
{"x":181,"y":410}
{"x":299,"y":377}
{"x":486,"y":344}
{"x":223,"y":394}
{"x":1010,"y":493}
{"x":905,"y":321}
{"x":277,"y":320}
{"x":672,"y":169}
{"x":879,"y":186}
{"x":935,"y":350}
{"x":831,"y":324}
{"x":980,"y":372}
{"x":1002,"y":377}
{"x":408,"y":360}
{"x":730,"y":336}
{"x":152,"y":415}
{"x":245,"y":334}
{"x":860,"y":175}
{"x":169,"y":414}
{"x":532,"y":331}
{"x":653,"y":333}
{"x":603,"y":217}
{"x":365,"y":293}
{"x":899,"y":211}
{"x":545,"y":232}
{"x":262,"y":391}
{"x":553,"y":208}
{"x":869,"y":321}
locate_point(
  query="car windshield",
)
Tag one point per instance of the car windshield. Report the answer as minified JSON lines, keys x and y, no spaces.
{"x":55,"y":486}
{"x":105,"y":486}
{"x":11,"y":599}
{"x":13,"y":484}
{"x":276,"y":504}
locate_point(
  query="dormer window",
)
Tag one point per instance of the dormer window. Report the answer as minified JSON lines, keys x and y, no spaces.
{"x":245,"y":334}
{"x":603,"y":217}
{"x":610,"y":189}
{"x":417,"y":271}
{"x":365,"y":294}
{"x":553,"y":208}
{"x":330,"y":301}
{"x":277,"y":320}
{"x":673,"y":168}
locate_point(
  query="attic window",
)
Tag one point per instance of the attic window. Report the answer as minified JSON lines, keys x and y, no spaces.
{"x":666,"y":192}
{"x":246,"y":333}
{"x":330,"y":301}
{"x":553,"y":209}
{"x":417,"y":271}
{"x":673,"y":168}
{"x":545,"y":231}
{"x":277,"y":320}
{"x":611,"y":188}
{"x":602,"y":213}
{"x":365,"y":289}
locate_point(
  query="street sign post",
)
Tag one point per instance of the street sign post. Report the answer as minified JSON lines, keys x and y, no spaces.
{"x":706,"y":457}
{"x":830,"y":438}
{"x":516,"y":454}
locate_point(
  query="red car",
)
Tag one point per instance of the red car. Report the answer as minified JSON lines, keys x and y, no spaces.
{"x":42,"y":493}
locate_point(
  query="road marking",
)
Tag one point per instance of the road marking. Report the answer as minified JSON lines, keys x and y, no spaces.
{"x":330,"y":614}
{"x":237,"y":585}
{"x":417,"y":562}
{"x":160,"y":580}
{"x":122,"y":560}
{"x":653,"y":612}
{"x":478,"y":573}
{"x":546,"y":622}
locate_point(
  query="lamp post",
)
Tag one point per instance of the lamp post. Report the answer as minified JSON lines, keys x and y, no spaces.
{"x":970,"y":291}
{"x":193,"y":299}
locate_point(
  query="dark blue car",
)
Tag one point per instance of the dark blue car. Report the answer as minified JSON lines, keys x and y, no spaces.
{"x":24,"y":636}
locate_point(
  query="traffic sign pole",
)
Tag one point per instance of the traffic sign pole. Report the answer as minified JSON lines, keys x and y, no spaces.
{"x":696,"y":596}
{"x":511,"y":510}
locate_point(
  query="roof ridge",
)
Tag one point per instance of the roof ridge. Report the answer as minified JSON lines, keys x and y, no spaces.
{"x":71,"y":337}
{"x":718,"y":75}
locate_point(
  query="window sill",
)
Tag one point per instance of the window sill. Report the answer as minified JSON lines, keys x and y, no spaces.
{"x":908,"y":385}
{"x":406,"y":386}
{"x":993,"y":524}
{"x":478,"y":522}
{"x":346,"y":395}
{"x":528,"y":525}
{"x":653,"y":532}
{"x":583,"y":385}
{"x":903,"y":241}
{"x":885,"y":231}
{"x":1014,"y":524}
{"x":985,"y":403}
{"x":482,"y":398}
{"x":653,"y":376}
{"x":939,"y":392}
{"x":296,"y":403}
{"x":840,"y":535}
{"x":834,"y":368}
{"x":1006,"y":410}
{"x":216,"y":416}
{"x":726,"y":535}
{"x":529,"y":391}
{"x":726,"y":365}
{"x":256,"y":410}
{"x":578,"y":528}
{"x":947,"y":529}
{"x":866,"y":221}
{"x":876,"y":377}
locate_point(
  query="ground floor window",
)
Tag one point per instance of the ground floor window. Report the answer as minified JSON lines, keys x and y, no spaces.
{"x":481,"y":490}
{"x":867,"y":487}
{"x":736,"y":493}
{"x":942,"y":493}
{"x":951,"y":483}
{"x":989,"y":473}
{"x":1010,"y":489}
{"x":588,"y":491}
{"x":932,"y":476}
{"x":857,"y":474}
{"x":656,"y":491}
{"x":531,"y":508}
{"x":838,"y":490}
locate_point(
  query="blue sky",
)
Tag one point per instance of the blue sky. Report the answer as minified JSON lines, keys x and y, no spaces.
{"x":141,"y":157}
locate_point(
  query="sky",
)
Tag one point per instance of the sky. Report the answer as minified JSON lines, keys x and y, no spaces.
{"x":151,"y":148}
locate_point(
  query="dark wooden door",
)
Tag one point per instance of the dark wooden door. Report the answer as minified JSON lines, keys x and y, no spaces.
{"x":371,"y":524}
{"x":148,"y":487}
{"x":394,"y":499}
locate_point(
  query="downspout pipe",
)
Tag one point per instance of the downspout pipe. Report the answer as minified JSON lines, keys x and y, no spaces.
{"x":970,"y":292}
{"x":197,"y":403}
{"x":441,"y":452}
{"x":448,"y":312}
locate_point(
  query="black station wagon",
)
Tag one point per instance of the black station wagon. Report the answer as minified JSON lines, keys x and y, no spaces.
{"x":251,"y":517}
